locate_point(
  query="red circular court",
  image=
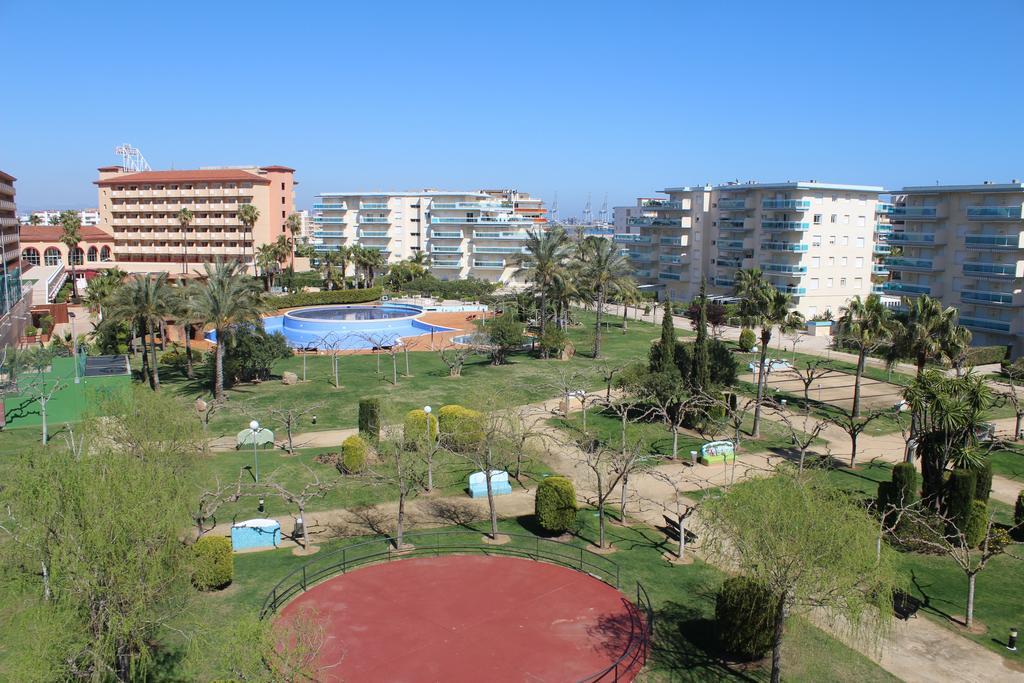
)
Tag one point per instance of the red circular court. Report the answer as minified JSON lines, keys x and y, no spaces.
{"x":470,"y":618}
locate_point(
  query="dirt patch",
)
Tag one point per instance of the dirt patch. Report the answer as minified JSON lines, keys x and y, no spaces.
{"x":978,"y":628}
{"x":499,"y":539}
{"x":302,"y":552}
{"x":601,"y":551}
{"x":672,"y":558}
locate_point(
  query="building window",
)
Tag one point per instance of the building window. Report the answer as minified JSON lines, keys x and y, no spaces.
{"x":30,"y":256}
{"x":842,"y":282}
{"x":831,"y":240}
{"x":860,"y":221}
{"x":858,"y":282}
{"x":845,"y":240}
{"x":105,"y":254}
{"x":831,"y":261}
{"x":817,"y":219}
{"x":51,"y":256}
{"x":77,"y":256}
{"x":860,"y":262}
{"x":860,"y":242}
{"x":816,"y":262}
{"x":93,"y":254}
{"x":828,"y":282}
{"x":846,"y":219}
{"x":816,"y":240}
{"x":834,"y":217}
{"x":814,"y":283}
{"x":844,"y":261}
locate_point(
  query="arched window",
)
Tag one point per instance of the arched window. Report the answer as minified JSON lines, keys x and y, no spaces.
{"x":77,"y":256}
{"x":105,"y":254}
{"x":93,"y":254}
{"x":30,"y":256}
{"x":52,"y":256}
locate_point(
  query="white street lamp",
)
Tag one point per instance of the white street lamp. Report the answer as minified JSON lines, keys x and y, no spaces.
{"x":254,"y":427}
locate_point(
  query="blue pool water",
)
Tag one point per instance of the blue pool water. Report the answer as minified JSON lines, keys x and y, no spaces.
{"x":348,"y":327}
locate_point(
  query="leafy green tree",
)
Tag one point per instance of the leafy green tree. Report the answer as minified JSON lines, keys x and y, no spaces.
{"x":145,"y":298}
{"x":808,"y":543}
{"x":70,"y":236}
{"x":606,"y":272}
{"x":764,"y":306}
{"x":504,"y":335}
{"x":252,"y":352}
{"x":84,"y":556}
{"x":543,"y":265}
{"x":248,"y":215}
{"x":185,"y":218}
{"x":226,"y":300}
{"x":864,"y":325}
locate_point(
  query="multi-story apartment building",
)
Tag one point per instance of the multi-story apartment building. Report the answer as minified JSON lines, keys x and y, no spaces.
{"x":812,"y":240}
{"x":473,"y":233}
{"x":141,"y":211}
{"x":963,"y":244}
{"x":10,"y":250}
{"x":89,"y":217}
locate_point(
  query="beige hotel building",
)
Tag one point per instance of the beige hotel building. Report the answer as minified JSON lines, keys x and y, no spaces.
{"x":963,"y":244}
{"x":141,"y":212}
{"x":478,"y":233}
{"x":812,"y":240}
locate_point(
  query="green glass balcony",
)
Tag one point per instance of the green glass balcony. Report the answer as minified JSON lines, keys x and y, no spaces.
{"x":783,"y":268}
{"x":669,"y":276}
{"x":791,"y":289}
{"x":915,"y":213}
{"x":624,"y":238}
{"x":477,"y":263}
{"x":882,"y":249}
{"x":723,"y":282}
{"x":663,"y":204}
{"x":446,"y":234}
{"x":975,"y":296}
{"x":729,"y":245}
{"x":994,"y":213}
{"x":732,"y":204}
{"x":374,"y":206}
{"x":786,"y":204}
{"x":374,"y":219}
{"x":785,"y":226}
{"x":373,"y":233}
{"x":992,"y":241}
{"x":997,"y":270}
{"x":985,"y":324}
{"x":732,"y":226}
{"x":901,"y":263}
{"x":333,"y":220}
{"x":784,"y":246}
{"x":337,"y":206}
{"x":905,"y":288}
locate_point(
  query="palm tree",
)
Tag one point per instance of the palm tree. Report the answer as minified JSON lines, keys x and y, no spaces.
{"x":54,"y":219}
{"x":185,"y":218}
{"x":764,"y":306}
{"x":34,"y":219}
{"x":373,"y":261}
{"x":146,"y":298}
{"x":71,"y":235}
{"x":294,"y":224}
{"x":543,"y":265}
{"x":329,"y":268}
{"x":357,"y":254}
{"x":185,"y":312}
{"x":629,"y":296}
{"x":102,"y":288}
{"x":607,"y":272}
{"x":866,"y":325}
{"x":266,"y":260}
{"x":226,"y":300}
{"x":248,"y":215}
{"x":929,"y":333}
{"x":420,"y":258}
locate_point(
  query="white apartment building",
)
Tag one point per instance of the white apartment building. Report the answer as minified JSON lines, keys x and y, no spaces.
{"x":812,"y":240}
{"x":89,"y":217}
{"x":963,"y":244}
{"x":479,"y":233}
{"x":621,"y":216}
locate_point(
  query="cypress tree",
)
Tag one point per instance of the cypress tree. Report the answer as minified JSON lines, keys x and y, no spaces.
{"x":700,"y":378}
{"x":664,"y":359}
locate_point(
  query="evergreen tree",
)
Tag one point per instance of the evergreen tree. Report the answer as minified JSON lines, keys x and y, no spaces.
{"x":700,"y":377}
{"x":663,"y":355}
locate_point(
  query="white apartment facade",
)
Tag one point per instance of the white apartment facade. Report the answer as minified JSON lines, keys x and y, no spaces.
{"x":963,"y":244}
{"x":89,"y":217}
{"x":812,"y":240}
{"x":478,"y":233}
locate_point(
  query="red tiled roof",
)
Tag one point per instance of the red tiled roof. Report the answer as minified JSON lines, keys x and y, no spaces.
{"x":211,"y":174}
{"x":52,"y":233}
{"x":7,"y":178}
{"x":282,"y":169}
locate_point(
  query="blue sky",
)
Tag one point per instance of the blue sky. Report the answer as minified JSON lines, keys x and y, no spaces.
{"x":620,"y":98}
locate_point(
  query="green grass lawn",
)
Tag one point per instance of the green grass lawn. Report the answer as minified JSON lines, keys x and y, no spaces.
{"x":1009,"y":462}
{"x":525,"y":379}
{"x":658,"y":439}
{"x":684,"y":647}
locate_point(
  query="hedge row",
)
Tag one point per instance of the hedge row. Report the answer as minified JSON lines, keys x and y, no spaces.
{"x":336,"y":296}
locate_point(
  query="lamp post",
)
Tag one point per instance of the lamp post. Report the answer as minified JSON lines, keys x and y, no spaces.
{"x":254,"y":427}
{"x":74,"y":345}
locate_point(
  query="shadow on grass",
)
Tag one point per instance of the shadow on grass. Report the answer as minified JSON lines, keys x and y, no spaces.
{"x":927,"y":599}
{"x":685,"y":644}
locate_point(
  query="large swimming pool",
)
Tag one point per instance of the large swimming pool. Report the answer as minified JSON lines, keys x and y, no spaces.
{"x":349,"y":327}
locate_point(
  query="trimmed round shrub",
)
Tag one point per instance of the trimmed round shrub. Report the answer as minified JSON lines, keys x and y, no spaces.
{"x":555,"y":505}
{"x":416,"y":426}
{"x":747,"y":340}
{"x":460,"y":428}
{"x":977,"y":524}
{"x":213,"y":565}
{"x":983,"y":484}
{"x":959,"y":496}
{"x":369,"y":418}
{"x":353,"y":454}
{"x":745,"y":616}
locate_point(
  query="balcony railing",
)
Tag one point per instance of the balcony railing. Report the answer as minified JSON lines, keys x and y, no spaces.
{"x":374,"y":206}
{"x":640,"y":257}
{"x":669,"y":276}
{"x":651,"y":222}
{"x":642,"y":273}
{"x":905,"y":288}
{"x":434,"y":263}
{"x":783,"y":268}
{"x":624,"y":238}
{"x":499,"y":250}
{"x":994,"y":213}
{"x":488,"y":264}
{"x":999,"y":270}
{"x":665,"y":204}
{"x":438,"y":249}
{"x":879,"y":269}
{"x":736,"y":226}
{"x":471,"y":206}
{"x":882,"y":249}
{"x":332,"y":220}
{"x":678,"y":241}
{"x":784,"y":246}
{"x":884,"y":208}
{"x":917,"y":213}
{"x":992,"y":241}
{"x":723,"y":282}
{"x":791,"y":289}
{"x":921,"y":238}
{"x":900,"y":263}
{"x":976,"y":296}
{"x":446,"y":235}
{"x":730,"y":262}
{"x":482,"y":235}
{"x":674,"y":260}
{"x":373,"y":233}
{"x":883,"y":228}
{"x":786,"y":204}
{"x":732,"y":204}
{"x":985,"y":324}
{"x":374,"y":219}
{"x":340,"y":206}
{"x":785,"y":226}
{"x":729,"y":245}
{"x":328,"y":233}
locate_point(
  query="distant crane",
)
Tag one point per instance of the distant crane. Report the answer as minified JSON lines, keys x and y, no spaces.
{"x":588,"y":215}
{"x":604,"y":210}
{"x":554,"y":209}
{"x":132,"y":159}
